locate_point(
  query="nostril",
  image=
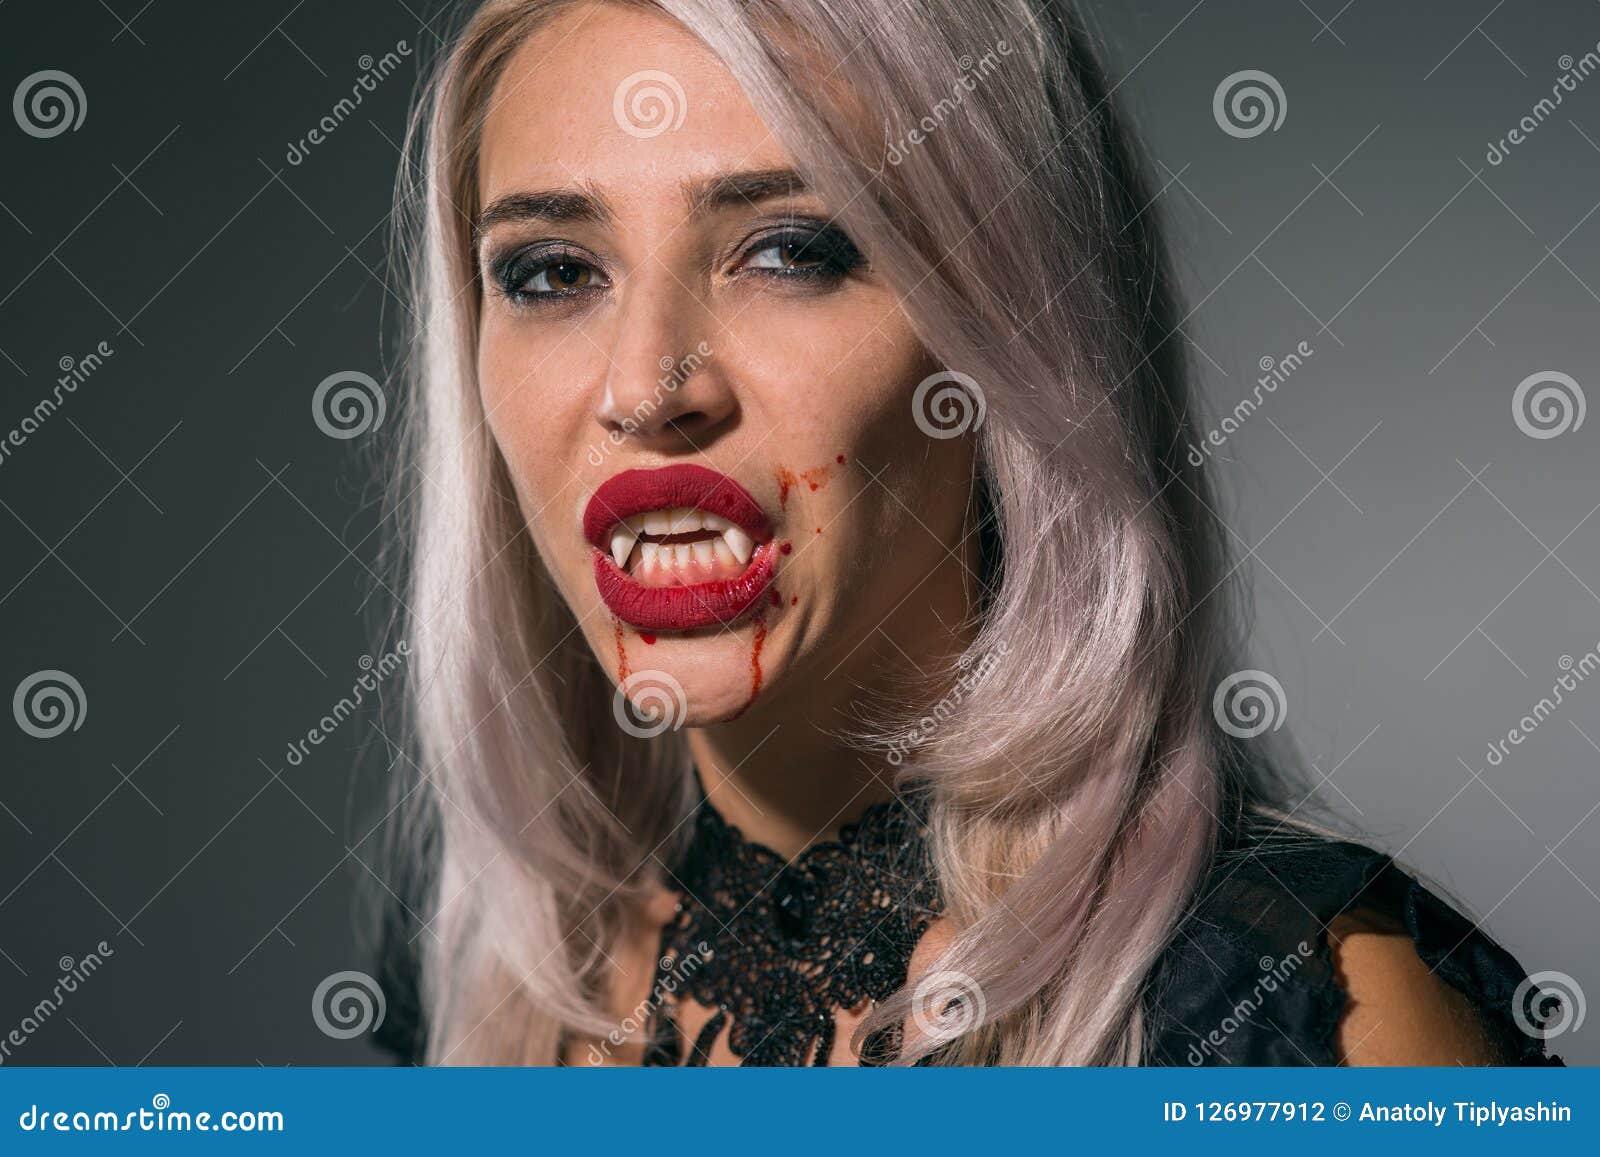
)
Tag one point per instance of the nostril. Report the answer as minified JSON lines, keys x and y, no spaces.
{"x":688,"y":423}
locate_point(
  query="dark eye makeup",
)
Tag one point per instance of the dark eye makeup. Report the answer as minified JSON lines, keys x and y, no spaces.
{"x":544,"y":271}
{"x":796,"y":251}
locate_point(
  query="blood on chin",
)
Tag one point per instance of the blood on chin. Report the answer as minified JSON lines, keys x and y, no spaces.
{"x":715,"y":687}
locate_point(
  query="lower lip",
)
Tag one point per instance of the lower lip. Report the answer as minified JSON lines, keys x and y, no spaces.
{"x":684,"y":608}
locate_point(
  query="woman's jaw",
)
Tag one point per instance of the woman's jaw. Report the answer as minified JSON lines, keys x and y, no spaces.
{"x":702,"y":584}
{"x":816,"y":620}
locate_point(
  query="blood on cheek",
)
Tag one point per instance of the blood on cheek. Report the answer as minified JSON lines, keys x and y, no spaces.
{"x":814,"y":479}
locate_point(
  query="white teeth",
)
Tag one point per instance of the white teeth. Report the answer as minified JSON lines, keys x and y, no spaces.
{"x":739,"y":542}
{"x":622,"y":540}
{"x":732,"y":546}
{"x":683,"y":520}
{"x":735,"y":541}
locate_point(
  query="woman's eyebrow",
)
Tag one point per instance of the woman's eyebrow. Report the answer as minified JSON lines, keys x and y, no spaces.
{"x":725,"y":190}
{"x":739,"y":189}
{"x":569,"y":205}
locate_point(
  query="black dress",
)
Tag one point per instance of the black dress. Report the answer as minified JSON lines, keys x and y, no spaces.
{"x":1248,"y":978}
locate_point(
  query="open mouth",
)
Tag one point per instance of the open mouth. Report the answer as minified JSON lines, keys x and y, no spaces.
{"x":678,"y":548}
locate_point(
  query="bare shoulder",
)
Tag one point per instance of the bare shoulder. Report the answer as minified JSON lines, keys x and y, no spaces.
{"x":1398,"y":1012}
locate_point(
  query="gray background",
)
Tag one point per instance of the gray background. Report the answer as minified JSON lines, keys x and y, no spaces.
{"x":183,"y":540}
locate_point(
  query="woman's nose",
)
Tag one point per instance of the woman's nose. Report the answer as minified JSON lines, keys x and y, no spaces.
{"x":663,"y":387}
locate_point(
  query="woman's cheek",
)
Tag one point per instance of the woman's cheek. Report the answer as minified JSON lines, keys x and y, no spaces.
{"x":534,"y":440}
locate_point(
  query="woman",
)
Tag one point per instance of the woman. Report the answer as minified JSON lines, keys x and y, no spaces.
{"x":820,"y":651}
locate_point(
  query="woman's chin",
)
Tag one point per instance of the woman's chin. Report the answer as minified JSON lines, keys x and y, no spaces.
{"x":699,"y":677}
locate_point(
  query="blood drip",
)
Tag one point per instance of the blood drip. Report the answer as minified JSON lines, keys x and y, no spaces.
{"x":622,"y":654}
{"x":755,"y":664}
{"x":755,"y":658}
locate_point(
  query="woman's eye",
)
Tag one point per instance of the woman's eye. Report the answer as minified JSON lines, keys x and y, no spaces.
{"x":559,"y":276}
{"x":828,"y":253}
{"x":530,"y":277}
{"x":783,"y":255}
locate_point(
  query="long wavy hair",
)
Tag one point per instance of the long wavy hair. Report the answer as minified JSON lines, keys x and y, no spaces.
{"x":1078,"y":790}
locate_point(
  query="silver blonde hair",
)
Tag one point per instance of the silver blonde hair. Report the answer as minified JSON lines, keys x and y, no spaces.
{"x":1078,"y":789}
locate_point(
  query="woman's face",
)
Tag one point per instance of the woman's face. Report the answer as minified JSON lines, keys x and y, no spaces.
{"x":702,"y":389}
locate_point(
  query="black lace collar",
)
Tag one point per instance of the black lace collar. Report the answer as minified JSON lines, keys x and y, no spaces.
{"x":776,"y":948}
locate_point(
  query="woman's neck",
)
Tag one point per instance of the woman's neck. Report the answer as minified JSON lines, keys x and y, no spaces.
{"x":783,"y":794}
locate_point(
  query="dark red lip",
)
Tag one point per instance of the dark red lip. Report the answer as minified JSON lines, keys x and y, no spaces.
{"x":688,"y":607}
{"x":636,"y":491}
{"x":678,"y":608}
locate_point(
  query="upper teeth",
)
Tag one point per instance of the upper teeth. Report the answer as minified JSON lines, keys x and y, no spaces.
{"x":678,"y":520}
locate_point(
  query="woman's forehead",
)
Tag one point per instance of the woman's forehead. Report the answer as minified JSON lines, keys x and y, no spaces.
{"x":620,"y":99}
